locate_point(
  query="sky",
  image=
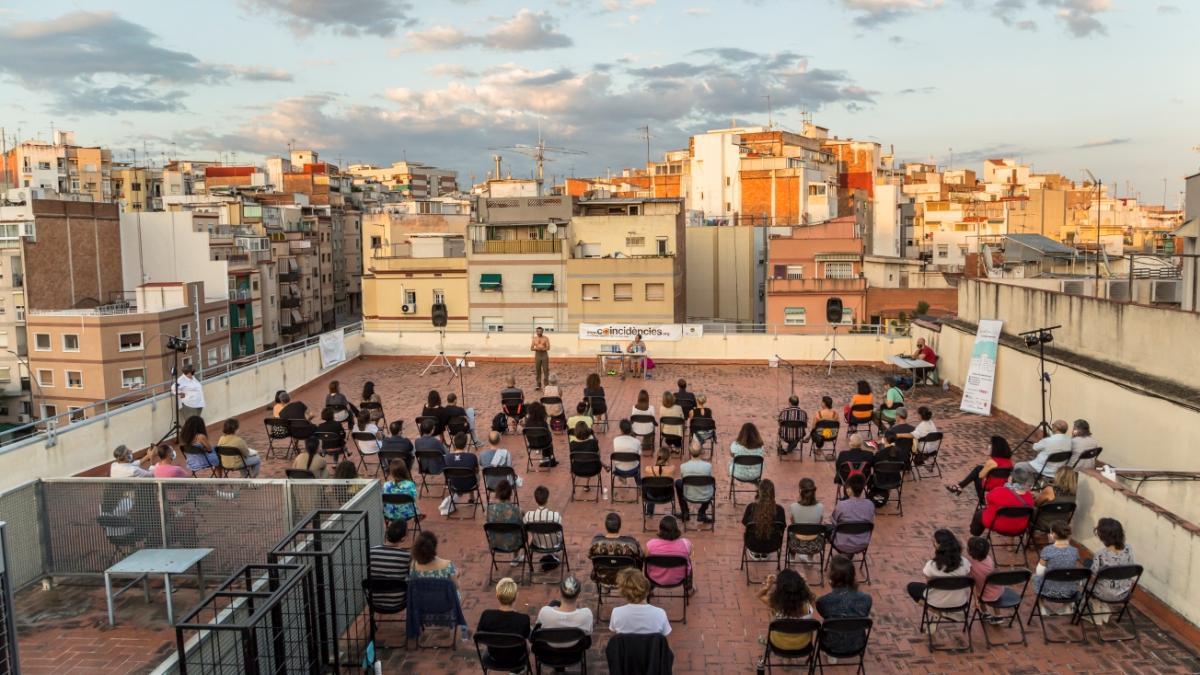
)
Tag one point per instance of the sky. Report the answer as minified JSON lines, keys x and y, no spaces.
{"x":1065,"y":85}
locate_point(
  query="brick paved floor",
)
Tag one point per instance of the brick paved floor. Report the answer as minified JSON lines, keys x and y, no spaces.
{"x":725,"y":616}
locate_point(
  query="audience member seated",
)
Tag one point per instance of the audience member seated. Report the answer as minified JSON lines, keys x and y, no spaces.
{"x":552,"y":390}
{"x":826,"y":412}
{"x":748,"y":442}
{"x":644,"y":429}
{"x":903,"y":431}
{"x":854,"y":460}
{"x":494,"y":456}
{"x":925,"y":353}
{"x":701,"y":411}
{"x":863,"y":397}
{"x":1059,"y":555}
{"x":581,"y":416}
{"x":345,"y":470}
{"x":671,"y":408}
{"x":194,"y":435}
{"x":627,"y":442}
{"x":463,"y":458}
{"x":853,"y":509}
{"x":1000,"y":457}
{"x":452,"y":409}
{"x":287,"y":409}
{"x":310,"y":459}
{"x":661,"y":466}
{"x":764,"y":521}
{"x":399,"y":482}
{"x":566,"y":612}
{"x":344,"y":410}
{"x":231,"y":439}
{"x":670,"y":541}
{"x":582,"y":439}
{"x":793,"y":413}
{"x":513,"y":399}
{"x":787,"y":596}
{"x":281,"y":399}
{"x":396,"y":442}
{"x":1082,"y":440}
{"x":433,"y":408}
{"x":592,"y":389}
{"x":696,"y":466}
{"x":535,"y":418}
{"x":508,"y":621}
{"x":369,"y":396}
{"x":329,"y":425}
{"x":612,"y":542}
{"x":503,"y":510}
{"x":1014,"y":493}
{"x":165,"y":467}
{"x":429,"y":440}
{"x":982,"y":564}
{"x":125,"y":466}
{"x":391,"y":561}
{"x":637,"y":616}
{"x":543,"y":514}
{"x":893,"y":398}
{"x":1057,"y":442}
{"x":807,"y":511}
{"x":948,"y":561}
{"x":925,"y":426}
{"x":685,"y":398}
{"x":844,"y":601}
{"x":425,"y":561}
{"x":1114,"y":554}
{"x":889,"y":450}
{"x":1066,"y":480}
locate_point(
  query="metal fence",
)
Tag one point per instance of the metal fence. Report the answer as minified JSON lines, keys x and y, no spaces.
{"x":708,"y":327}
{"x":21,"y":509}
{"x":9,"y":663}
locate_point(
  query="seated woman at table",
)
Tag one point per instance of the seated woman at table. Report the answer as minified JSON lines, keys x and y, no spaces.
{"x":636,"y":365}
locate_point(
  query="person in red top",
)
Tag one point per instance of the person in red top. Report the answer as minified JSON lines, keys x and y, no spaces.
{"x":1016,"y":493}
{"x":166,"y":466}
{"x":925,"y":353}
{"x":999,"y":458}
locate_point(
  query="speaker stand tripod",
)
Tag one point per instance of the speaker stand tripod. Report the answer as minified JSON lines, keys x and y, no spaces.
{"x":173,"y":432}
{"x":440,"y":361}
{"x":833,"y":355}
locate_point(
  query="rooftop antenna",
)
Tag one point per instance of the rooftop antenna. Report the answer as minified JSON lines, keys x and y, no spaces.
{"x":770,"y":119}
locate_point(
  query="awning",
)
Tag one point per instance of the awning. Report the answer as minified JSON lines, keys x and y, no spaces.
{"x":489,"y":282}
{"x":296,"y":318}
{"x":543,"y":282}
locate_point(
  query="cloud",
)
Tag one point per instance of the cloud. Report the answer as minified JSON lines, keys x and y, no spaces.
{"x":1101,"y":143}
{"x":1079,"y":16}
{"x":697,"y":11}
{"x":1168,"y":9}
{"x":873,"y":13}
{"x":728,"y":53}
{"x":350,"y":18}
{"x":527,"y":31}
{"x":452,"y":70}
{"x":918,"y":90}
{"x":257,"y":74}
{"x":671,"y":70}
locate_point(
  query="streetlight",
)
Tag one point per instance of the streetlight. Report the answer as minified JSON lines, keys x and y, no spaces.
{"x":32,"y":381}
{"x":1096,"y":184}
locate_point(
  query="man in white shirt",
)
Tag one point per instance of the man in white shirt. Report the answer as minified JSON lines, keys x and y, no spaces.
{"x":190,"y":393}
{"x":542,"y":514}
{"x":627,"y":442}
{"x":694,"y":467}
{"x":566,"y":613}
{"x":1060,"y":441}
{"x":124,"y":465}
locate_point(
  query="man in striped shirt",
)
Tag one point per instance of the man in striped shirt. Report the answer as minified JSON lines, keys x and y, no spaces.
{"x":544,"y":515}
{"x":391,"y":561}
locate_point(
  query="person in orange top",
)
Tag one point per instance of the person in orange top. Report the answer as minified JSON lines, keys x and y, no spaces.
{"x":863,"y":397}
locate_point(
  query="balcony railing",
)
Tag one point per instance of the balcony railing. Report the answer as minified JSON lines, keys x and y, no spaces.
{"x":289,"y":301}
{"x":517,"y":246}
{"x":289,"y":329}
{"x":816,"y":285}
{"x":289,"y":277}
{"x":240,"y":295}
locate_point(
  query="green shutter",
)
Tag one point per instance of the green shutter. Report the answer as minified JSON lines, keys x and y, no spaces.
{"x":543,"y":282}
{"x":489,"y":282}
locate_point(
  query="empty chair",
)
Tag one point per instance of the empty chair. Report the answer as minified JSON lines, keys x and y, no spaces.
{"x":277,"y":431}
{"x":925,"y":458}
{"x":780,"y":631}
{"x":668,"y":562}
{"x":585,"y":472}
{"x":380,"y":595}
{"x":1076,"y":575}
{"x":657,"y":490}
{"x":559,"y":648}
{"x":752,"y":468}
{"x":835,"y":635}
{"x":504,"y":539}
{"x":632,"y":476}
{"x":1094,"y":595}
{"x":1004,"y":607}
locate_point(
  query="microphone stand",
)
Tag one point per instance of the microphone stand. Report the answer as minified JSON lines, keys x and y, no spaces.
{"x":791,"y":371}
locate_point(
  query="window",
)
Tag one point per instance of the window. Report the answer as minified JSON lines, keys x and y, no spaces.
{"x":439,"y":296}
{"x":41,"y":342}
{"x":795,"y":271}
{"x":943,"y":250}
{"x":410,"y":298}
{"x":70,"y":342}
{"x":543,"y":282}
{"x":74,"y":379}
{"x":185,"y":331}
{"x":224,"y":322}
{"x":224,"y":352}
{"x":130,"y":341}
{"x":49,"y":410}
{"x":185,"y":362}
{"x":795,"y":316}
{"x":45,"y":378}
{"x":212,"y":357}
{"x":133,"y":378}
{"x":591,"y":291}
{"x":376,"y":242}
{"x":493,"y":324}
{"x":839,"y":270}
{"x":77,"y":414}
{"x":622,"y":291}
{"x":634,"y":242}
{"x":209,"y":325}
{"x":655,"y":292}
{"x":662,"y":246}
{"x":5,"y":374}
{"x":816,"y":190}
{"x":546,"y":323}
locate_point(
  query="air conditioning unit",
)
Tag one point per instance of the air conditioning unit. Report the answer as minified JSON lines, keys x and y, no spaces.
{"x":1072,"y":287}
{"x":1166,"y":291}
{"x":1118,"y":291}
{"x":408,"y":309}
{"x":23,"y":419}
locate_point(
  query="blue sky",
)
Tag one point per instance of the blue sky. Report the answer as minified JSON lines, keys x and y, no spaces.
{"x":1062,"y":84}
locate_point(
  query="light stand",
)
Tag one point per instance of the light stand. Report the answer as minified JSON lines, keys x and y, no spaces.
{"x":440,"y":361}
{"x":833,"y":354}
{"x":1039,"y":337}
{"x":462,"y":387}
{"x":176,"y":345}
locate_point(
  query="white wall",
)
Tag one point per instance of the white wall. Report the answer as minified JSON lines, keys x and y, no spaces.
{"x":885,"y":234}
{"x":716,"y":157}
{"x":161,"y":246}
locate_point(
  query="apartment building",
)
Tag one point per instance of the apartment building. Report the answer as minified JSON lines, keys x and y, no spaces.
{"x":411,"y":179}
{"x":245,"y":319}
{"x":60,"y":165}
{"x":404,"y":282}
{"x":352,"y":253}
{"x":726,"y":274}
{"x":82,"y":356}
{"x":811,"y":265}
{"x":627,"y":261}
{"x":137,"y":188}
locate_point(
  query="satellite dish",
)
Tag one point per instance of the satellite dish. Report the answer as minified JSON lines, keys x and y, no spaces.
{"x":552,"y":228}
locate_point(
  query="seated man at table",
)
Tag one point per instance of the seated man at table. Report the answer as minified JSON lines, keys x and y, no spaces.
{"x":925,"y":353}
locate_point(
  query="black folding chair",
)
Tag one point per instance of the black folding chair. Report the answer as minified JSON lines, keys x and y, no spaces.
{"x":754,"y":476}
{"x":543,"y":539}
{"x":401,"y":500}
{"x":506,"y":539}
{"x":539,"y":440}
{"x":299,"y":431}
{"x":835,"y":635}
{"x":368,"y":446}
{"x":425,"y":460}
{"x":657,"y":490}
{"x":557,"y":422}
{"x":434,"y":420}
{"x":630,"y":457}
{"x":371,"y":407}
{"x":329,"y":444}
{"x":861,"y":527}
{"x":201,"y":460}
{"x":299,"y":474}
{"x":1087,"y":455}
{"x":598,"y":409}
{"x":932,"y":617}
{"x":486,"y":641}
{"x":668,"y":562}
{"x":926,"y":456}
{"x":635,"y":420}
{"x":235,"y":461}
{"x":861,"y":415}
{"x":843,"y":471}
{"x":604,"y":575}
{"x":789,"y":431}
{"x":386,"y":457}
{"x":586,"y":466}
{"x":697,"y":483}
{"x":463,"y":482}
{"x":997,"y":474}
{"x":1076,"y":575}
{"x":514,"y":410}
{"x":1114,"y":574}
{"x":459,"y":424}
{"x":559,"y":649}
{"x":829,"y":446}
{"x":762,"y":548}
{"x":673,"y":441}
{"x":383,"y":598}
{"x":492,"y":475}
{"x":791,"y":628}
{"x":1046,"y":515}
{"x":889,"y":477}
{"x":1023,"y":512}
{"x":277,"y":430}
{"x":1001,"y":608}
{"x":1055,"y":460}
{"x":817,"y":530}
{"x":704,"y":424}
{"x":346,"y":419}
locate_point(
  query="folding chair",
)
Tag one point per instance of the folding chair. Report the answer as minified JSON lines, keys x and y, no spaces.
{"x":505,"y":539}
{"x":889,"y":476}
{"x":837,"y":632}
{"x":669,"y":562}
{"x":426,"y":459}
{"x":817,"y":530}
{"x":704,"y":424}
{"x":857,"y":420}
{"x":299,"y":431}
{"x":199,"y":459}
{"x":1091,"y":455}
{"x":998,"y":474}
{"x":433,"y":602}
{"x":657,"y":490}
{"x":1009,"y":578}
{"x":1084,"y":611}
{"x":926,"y":456}
{"x":327,"y":437}
{"x":931,"y":617}
{"x":386,"y":457}
{"x":549,"y":533}
{"x":696,"y":483}
{"x":791,"y":430}
{"x":829,"y":446}
{"x":1077,"y":575}
{"x":791,"y":628}
{"x":383,"y":598}
{"x":459,"y":424}
{"x":756,"y":476}
{"x":862,"y":527}
{"x":368,"y":446}
{"x":635,"y":474}
{"x":673,"y":441}
{"x":492,"y":475}
{"x":238,"y":464}
{"x":277,"y":430}
{"x":767,"y":547}
{"x":548,"y":650}
{"x":586,"y":465}
{"x":348,"y":420}
{"x":402,"y":500}
{"x":598,"y":409}
{"x":645,"y":419}
{"x":557,"y":422}
{"x":486,"y":641}
{"x":1025,"y":512}
{"x":537,"y":440}
{"x":1056,"y":511}
{"x":461,"y":481}
{"x":842,"y":473}
{"x":1054,"y":459}
{"x":370,"y":407}
{"x":299,"y":474}
{"x":514,"y":410}
{"x":604,"y":574}
{"x":435,"y":421}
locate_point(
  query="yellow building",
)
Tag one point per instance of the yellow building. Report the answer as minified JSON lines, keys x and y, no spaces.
{"x":627,"y":262}
{"x":403,"y":283}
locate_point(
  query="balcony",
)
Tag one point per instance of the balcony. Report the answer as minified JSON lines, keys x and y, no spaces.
{"x":239,"y":327}
{"x":516,"y":246}
{"x":817,"y":285}
{"x":290,"y":329}
{"x":240,"y":295}
{"x":290,"y":277}
{"x":289,"y":301}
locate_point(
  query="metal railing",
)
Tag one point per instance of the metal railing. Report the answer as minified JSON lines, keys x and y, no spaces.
{"x":517,"y":246}
{"x":709,"y":328}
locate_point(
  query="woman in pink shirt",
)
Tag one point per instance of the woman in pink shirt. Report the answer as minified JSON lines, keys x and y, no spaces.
{"x":669,"y":542}
{"x":166,"y":467}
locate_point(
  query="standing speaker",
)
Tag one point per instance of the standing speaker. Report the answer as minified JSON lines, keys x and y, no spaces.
{"x":833,"y":310}
{"x":439,"y":315}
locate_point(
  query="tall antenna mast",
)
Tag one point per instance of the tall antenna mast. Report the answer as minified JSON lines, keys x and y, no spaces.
{"x":770,"y":118}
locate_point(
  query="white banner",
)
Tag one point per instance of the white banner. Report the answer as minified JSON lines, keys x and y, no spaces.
{"x":623,"y":332}
{"x":333,"y":348}
{"x":981,"y":376}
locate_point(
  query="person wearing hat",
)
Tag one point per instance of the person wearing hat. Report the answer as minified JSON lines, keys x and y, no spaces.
{"x":566,"y":612}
